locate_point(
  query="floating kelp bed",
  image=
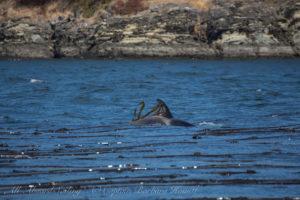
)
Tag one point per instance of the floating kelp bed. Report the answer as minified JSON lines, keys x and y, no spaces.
{"x":151,"y":161}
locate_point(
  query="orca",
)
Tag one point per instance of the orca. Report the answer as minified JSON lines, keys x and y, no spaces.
{"x":162,"y":117}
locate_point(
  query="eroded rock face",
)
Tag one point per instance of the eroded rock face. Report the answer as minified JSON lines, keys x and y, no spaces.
{"x":252,"y":29}
{"x":233,"y":28}
{"x":24,"y":40}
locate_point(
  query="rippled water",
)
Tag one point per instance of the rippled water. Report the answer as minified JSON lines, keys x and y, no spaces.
{"x":64,"y":130}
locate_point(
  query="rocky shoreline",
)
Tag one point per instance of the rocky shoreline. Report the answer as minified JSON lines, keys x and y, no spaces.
{"x":228,"y":30}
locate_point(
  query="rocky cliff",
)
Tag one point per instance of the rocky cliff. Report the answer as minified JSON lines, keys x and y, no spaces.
{"x":229,"y":29}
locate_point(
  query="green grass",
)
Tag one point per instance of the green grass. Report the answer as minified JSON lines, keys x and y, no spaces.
{"x":88,"y":7}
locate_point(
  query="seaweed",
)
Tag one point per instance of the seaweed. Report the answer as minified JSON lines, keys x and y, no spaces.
{"x":139,"y":117}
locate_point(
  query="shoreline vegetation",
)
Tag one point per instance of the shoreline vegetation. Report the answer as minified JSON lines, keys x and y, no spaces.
{"x":149,"y":28}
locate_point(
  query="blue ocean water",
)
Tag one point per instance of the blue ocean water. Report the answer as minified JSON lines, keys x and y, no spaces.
{"x":91,"y":92}
{"x":80,"y":111}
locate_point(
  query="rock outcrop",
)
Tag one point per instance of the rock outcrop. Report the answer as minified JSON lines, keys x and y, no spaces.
{"x":26,"y":40}
{"x":230,"y":29}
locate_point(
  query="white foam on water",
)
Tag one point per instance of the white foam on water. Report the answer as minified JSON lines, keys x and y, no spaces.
{"x":36,"y":81}
{"x":208,"y":124}
{"x":140,"y":168}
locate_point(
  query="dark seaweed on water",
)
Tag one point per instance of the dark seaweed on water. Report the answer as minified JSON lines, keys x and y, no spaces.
{"x":92,"y":166}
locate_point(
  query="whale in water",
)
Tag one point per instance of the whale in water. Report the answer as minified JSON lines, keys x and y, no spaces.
{"x":162,"y":117}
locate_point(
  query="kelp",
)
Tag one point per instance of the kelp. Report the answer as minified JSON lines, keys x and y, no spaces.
{"x":139,"y":117}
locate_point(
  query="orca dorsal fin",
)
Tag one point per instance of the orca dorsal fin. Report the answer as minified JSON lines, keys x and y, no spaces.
{"x":163,"y":109}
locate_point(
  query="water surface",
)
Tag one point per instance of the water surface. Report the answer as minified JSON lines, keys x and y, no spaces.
{"x":64,"y":129}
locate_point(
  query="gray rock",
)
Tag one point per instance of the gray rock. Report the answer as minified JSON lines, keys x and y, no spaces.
{"x":296,"y":38}
{"x":27,"y":51}
{"x":69,"y":51}
{"x":154,"y":8}
{"x":276,"y":51}
{"x":238,"y":51}
{"x":77,"y":12}
{"x":37,"y":39}
{"x":58,"y":19}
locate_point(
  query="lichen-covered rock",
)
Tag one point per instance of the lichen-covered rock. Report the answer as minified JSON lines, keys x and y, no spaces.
{"x":37,"y":39}
{"x":275,"y":51}
{"x":27,"y":51}
{"x":296,"y":38}
{"x":25,"y":40}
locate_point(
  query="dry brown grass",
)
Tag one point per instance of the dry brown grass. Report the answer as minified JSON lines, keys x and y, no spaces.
{"x":9,"y":10}
{"x":200,"y":4}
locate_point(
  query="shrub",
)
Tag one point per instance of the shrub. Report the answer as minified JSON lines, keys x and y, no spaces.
{"x":32,"y":2}
{"x":88,"y":7}
{"x":129,"y":7}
